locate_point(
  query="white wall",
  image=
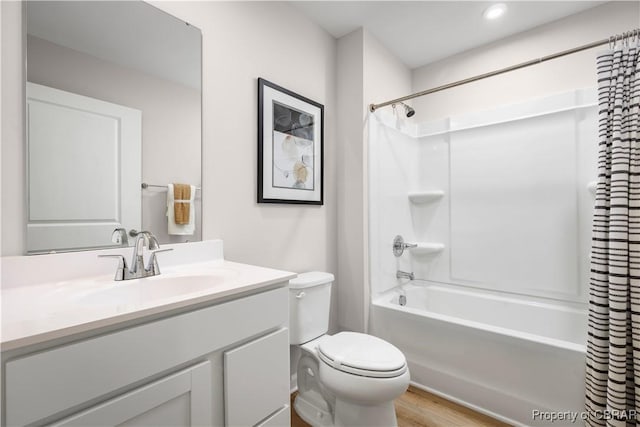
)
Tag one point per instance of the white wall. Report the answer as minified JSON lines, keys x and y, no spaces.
{"x":367,"y":71}
{"x":350,"y":243}
{"x":558,"y":75}
{"x":241,"y":42}
{"x":171,"y":121}
{"x":12,"y":91}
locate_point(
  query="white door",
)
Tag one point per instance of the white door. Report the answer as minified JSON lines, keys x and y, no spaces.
{"x":181,"y":399}
{"x":84,"y":169}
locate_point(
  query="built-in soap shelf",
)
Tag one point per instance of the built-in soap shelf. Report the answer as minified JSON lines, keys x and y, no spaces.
{"x":426,"y":248}
{"x":420,"y":197}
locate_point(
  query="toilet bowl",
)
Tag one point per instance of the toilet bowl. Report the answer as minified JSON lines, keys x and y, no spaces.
{"x":346,"y":379}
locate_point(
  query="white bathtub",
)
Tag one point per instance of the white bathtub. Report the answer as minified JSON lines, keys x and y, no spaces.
{"x":504,"y":356}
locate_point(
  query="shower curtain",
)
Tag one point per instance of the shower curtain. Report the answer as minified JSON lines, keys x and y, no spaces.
{"x":613,"y":347}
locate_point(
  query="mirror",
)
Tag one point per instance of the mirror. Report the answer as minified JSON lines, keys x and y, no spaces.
{"x":113,"y":103}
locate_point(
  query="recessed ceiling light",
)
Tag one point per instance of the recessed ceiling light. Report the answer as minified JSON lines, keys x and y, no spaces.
{"x":495,"y":11}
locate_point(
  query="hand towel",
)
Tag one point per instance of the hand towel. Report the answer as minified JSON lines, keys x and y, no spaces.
{"x":181,"y":193}
{"x":180,"y":229}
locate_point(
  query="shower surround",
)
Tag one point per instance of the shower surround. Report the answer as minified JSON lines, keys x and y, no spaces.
{"x":500,"y":203}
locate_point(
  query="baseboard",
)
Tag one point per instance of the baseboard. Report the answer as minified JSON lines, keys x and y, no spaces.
{"x":482,"y":399}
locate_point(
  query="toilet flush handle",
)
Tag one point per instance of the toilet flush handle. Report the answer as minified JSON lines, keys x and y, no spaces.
{"x":300,"y":295}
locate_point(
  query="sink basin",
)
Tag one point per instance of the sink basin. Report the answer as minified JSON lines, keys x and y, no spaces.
{"x":151,"y":289}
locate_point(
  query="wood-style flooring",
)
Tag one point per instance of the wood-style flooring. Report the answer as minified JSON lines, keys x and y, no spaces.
{"x":418,"y":408}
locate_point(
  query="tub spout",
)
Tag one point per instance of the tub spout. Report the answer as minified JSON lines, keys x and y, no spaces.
{"x":405,"y":275}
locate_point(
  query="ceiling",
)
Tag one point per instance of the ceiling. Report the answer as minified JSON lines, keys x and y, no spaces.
{"x":421,"y":32}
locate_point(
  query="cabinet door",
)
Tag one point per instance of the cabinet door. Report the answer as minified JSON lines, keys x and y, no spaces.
{"x":181,"y":399}
{"x":256,"y":380}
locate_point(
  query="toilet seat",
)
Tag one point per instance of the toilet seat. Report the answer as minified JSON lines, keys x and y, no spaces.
{"x":363,"y":355}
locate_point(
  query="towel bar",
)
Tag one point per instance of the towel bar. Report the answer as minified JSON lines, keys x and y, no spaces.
{"x":145,"y":186}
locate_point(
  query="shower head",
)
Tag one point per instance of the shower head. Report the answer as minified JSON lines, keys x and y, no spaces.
{"x":408,"y":111}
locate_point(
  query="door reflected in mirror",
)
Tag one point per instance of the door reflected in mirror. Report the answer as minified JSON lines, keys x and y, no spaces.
{"x":113,"y":100}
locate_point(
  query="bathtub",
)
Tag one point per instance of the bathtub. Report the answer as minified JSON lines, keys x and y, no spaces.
{"x":501,"y":355}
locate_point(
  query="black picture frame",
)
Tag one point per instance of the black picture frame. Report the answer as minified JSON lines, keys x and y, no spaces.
{"x":290,"y":147}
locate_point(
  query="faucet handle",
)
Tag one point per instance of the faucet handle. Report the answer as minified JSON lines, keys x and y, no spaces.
{"x":153,"y":267}
{"x":119,"y":237}
{"x":122,"y":265}
{"x":153,"y":242}
{"x":399,"y":245}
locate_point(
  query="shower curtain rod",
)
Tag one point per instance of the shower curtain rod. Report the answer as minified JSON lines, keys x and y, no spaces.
{"x":611,"y":40}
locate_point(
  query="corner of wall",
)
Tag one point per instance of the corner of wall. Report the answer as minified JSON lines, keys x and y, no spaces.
{"x":366,"y":71}
{"x":350,"y":250}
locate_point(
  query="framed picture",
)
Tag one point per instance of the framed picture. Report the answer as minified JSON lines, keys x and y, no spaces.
{"x":290,"y":146}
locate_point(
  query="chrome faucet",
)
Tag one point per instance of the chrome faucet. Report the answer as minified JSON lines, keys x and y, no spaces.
{"x":144,"y":238}
{"x":404,"y":275}
{"x":137,"y":269}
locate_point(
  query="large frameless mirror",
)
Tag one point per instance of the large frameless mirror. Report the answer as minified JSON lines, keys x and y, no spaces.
{"x":113,"y":103}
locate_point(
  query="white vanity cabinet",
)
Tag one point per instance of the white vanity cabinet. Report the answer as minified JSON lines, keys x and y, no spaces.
{"x":223,"y":364}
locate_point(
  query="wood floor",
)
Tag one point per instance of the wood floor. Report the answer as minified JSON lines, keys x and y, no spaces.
{"x":418,"y":408}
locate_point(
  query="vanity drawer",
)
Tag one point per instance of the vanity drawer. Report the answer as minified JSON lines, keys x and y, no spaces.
{"x":46,"y":383}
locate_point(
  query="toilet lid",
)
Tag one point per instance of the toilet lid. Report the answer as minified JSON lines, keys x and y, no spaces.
{"x":363,"y":355}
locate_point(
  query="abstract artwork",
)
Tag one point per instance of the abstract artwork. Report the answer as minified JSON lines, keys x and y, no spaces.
{"x":290,"y":139}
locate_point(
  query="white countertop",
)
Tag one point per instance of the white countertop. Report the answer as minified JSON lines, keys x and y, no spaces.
{"x":39,"y":312}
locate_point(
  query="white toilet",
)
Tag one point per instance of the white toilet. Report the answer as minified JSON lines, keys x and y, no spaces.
{"x":348,"y":379}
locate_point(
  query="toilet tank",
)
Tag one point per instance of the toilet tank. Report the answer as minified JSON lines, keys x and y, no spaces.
{"x":309,"y":301}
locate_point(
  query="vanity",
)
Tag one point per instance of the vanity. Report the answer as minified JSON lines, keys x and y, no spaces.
{"x":204,"y":343}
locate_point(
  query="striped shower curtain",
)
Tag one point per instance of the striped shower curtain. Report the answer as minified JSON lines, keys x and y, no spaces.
{"x":613,"y":347}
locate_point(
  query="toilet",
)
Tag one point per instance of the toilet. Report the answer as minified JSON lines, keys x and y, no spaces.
{"x":347,"y":379}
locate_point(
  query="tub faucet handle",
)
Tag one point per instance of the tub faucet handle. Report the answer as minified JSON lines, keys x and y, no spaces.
{"x":399,"y":245}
